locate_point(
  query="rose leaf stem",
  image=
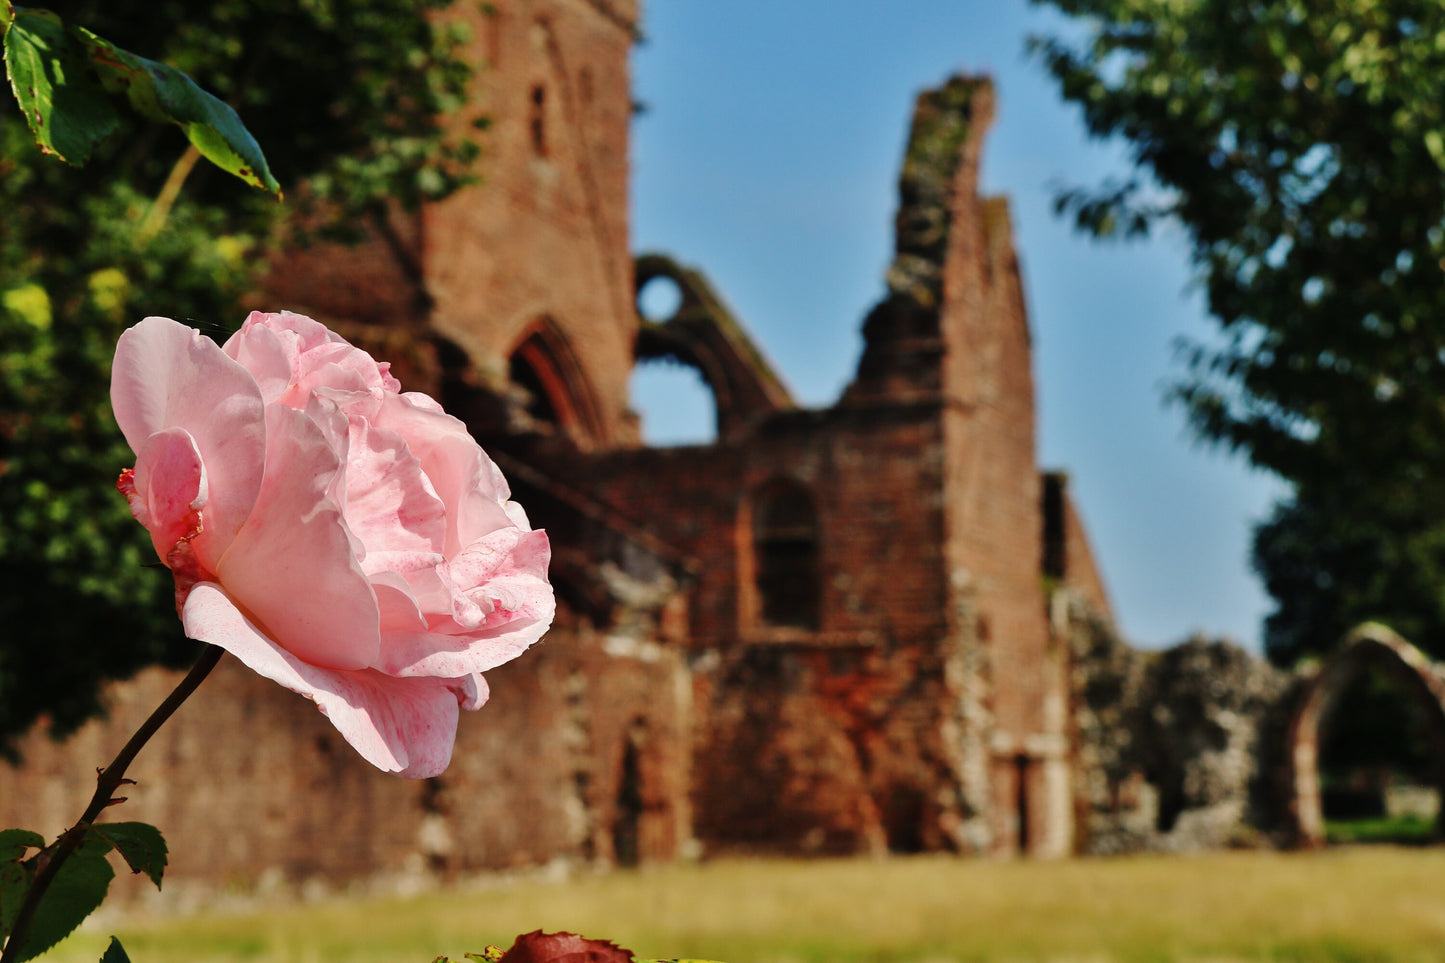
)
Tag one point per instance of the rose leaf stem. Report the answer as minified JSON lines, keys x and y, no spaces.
{"x":107,"y":783}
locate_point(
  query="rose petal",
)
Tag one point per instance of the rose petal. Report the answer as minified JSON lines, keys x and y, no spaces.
{"x":399,"y":610}
{"x":166,"y":375}
{"x":270,"y":361}
{"x":442,"y":653}
{"x":291,"y":566}
{"x":462,"y":476}
{"x":398,"y":725}
{"x":391,"y":506}
{"x":169,"y":488}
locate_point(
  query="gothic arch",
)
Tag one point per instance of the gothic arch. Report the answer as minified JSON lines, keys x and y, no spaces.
{"x":1367,"y":646}
{"x":704,"y":335}
{"x":543,"y":364}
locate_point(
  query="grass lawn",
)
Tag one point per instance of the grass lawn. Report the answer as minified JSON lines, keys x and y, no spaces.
{"x":1403,"y":829}
{"x":1356,"y":904}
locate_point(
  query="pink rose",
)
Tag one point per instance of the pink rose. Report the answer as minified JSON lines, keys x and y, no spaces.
{"x":346,"y":540}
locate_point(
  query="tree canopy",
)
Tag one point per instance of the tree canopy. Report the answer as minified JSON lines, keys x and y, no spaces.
{"x":1300,"y":144}
{"x":344,"y":96}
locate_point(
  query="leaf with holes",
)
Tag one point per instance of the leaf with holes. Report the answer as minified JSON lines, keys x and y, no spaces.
{"x":14,"y":842}
{"x":66,"y":108}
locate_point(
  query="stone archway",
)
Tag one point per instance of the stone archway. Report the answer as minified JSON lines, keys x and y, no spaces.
{"x":1369,"y":645}
{"x":703,"y":334}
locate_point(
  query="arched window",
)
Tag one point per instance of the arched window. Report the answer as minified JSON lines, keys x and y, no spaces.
{"x":785,"y":547}
{"x":555,"y":392}
{"x":522,"y":371}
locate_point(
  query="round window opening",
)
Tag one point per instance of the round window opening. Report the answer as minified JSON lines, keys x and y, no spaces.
{"x":659,"y":299}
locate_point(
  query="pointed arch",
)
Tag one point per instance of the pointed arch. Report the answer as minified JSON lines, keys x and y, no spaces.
{"x":1369,"y":645}
{"x":558,"y":394}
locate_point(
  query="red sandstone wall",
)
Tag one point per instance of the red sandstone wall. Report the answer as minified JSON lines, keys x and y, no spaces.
{"x":871,"y":474}
{"x":545,"y":233}
{"x":994,"y":498}
{"x":1081,"y":571}
{"x":367,"y":283}
{"x":834,"y":740}
{"x":543,"y":236}
{"x":249,"y":778}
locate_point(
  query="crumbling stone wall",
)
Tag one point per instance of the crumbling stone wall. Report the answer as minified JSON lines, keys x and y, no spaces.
{"x":250,"y":782}
{"x":1173,"y":748}
{"x":825,"y":739}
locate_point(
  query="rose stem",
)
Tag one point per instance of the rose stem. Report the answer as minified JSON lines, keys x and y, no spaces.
{"x":109,"y":780}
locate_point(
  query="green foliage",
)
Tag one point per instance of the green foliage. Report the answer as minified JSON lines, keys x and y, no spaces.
{"x":344,"y":94}
{"x":1300,"y":143}
{"x":114,"y":953}
{"x":65,"y":79}
{"x":139,"y":844}
{"x":80,"y":884}
{"x":77,"y":890}
{"x":14,"y":875}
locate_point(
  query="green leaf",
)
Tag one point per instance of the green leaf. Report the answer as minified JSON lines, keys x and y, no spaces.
{"x":64,"y":80}
{"x":14,"y":876}
{"x":114,"y":953}
{"x":140,"y":844}
{"x":165,"y":94}
{"x":67,"y":110}
{"x":78,"y":888}
{"x":14,"y":842}
{"x":14,"y":884}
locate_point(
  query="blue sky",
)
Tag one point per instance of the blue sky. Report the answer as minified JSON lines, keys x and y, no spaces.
{"x":768,"y":156}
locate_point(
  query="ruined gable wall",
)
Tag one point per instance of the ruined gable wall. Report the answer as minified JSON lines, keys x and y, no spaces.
{"x":994,"y":499}
{"x":871,"y":475}
{"x":545,"y":233}
{"x":1081,"y":571}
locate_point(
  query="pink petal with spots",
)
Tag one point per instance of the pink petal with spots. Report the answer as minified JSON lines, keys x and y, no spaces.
{"x":501,"y":592}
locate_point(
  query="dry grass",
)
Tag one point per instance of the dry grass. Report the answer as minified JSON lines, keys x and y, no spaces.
{"x":1361,"y":904}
